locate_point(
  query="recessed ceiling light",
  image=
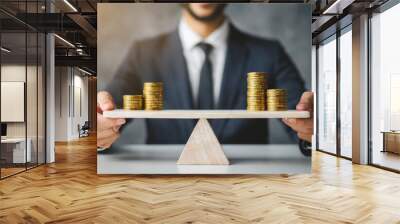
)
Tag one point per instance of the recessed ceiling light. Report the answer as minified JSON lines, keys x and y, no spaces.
{"x":337,"y":7}
{"x":70,"y":5}
{"x":5,"y":50}
{"x":64,"y":40}
{"x":84,"y":71}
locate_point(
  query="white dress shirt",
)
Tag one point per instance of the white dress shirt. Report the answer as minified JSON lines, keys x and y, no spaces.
{"x":194,"y":56}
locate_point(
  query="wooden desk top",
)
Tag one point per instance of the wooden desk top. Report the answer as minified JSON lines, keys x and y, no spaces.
{"x":13,"y":140}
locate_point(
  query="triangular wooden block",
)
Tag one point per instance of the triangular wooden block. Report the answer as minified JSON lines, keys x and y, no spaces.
{"x":203,"y":147}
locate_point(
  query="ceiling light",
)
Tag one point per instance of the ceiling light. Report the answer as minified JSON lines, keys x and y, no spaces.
{"x":65,"y":41}
{"x":80,"y":51}
{"x":84,"y":71}
{"x":337,"y":7}
{"x":5,"y":50}
{"x":70,"y":5}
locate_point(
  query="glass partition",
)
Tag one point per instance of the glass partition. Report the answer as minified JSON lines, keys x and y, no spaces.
{"x":385,"y":89}
{"x":41,"y":97}
{"x":15,"y":151}
{"x":327,"y":95}
{"x":32,"y":97}
{"x":22,"y":88}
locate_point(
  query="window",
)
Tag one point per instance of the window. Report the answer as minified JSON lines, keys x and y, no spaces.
{"x":334,"y":106}
{"x":346,"y":92}
{"x":385,"y":88}
{"x":327,"y":95}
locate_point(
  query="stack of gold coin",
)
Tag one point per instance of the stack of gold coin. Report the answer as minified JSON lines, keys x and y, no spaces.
{"x":256,"y":85}
{"x":276,"y":99}
{"x":153,"y":95}
{"x":133,"y":102}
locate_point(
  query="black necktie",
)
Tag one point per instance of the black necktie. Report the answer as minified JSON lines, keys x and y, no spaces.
{"x":205,"y":99}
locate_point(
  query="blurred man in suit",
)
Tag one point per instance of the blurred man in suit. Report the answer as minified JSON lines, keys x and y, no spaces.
{"x":203,"y":65}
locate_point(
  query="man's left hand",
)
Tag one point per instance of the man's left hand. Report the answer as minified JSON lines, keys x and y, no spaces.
{"x":303,"y":127}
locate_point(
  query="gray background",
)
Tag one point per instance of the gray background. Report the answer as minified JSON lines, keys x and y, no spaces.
{"x":120,"y":24}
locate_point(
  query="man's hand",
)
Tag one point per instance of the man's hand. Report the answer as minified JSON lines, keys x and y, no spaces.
{"x":303,"y":127}
{"x":107,"y":128}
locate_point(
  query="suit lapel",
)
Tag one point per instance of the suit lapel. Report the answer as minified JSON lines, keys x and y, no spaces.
{"x":176,"y":75}
{"x":233,"y":76}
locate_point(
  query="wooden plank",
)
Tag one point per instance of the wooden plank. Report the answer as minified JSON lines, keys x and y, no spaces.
{"x":203,"y":147}
{"x":207,"y":114}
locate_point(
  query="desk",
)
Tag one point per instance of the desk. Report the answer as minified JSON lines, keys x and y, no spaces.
{"x":391,"y":141}
{"x":17,"y":150}
{"x":244,"y":159}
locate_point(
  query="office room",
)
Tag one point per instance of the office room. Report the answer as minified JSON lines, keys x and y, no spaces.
{"x":185,"y":112}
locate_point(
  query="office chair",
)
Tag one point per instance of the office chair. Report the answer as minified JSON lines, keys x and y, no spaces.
{"x":84,"y":130}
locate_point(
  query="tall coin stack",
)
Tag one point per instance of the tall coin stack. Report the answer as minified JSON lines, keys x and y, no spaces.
{"x":277,"y":99}
{"x":256,"y":85}
{"x":153,"y":95}
{"x":133,"y":102}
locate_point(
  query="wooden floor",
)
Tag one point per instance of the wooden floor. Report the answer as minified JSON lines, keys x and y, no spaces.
{"x":70,"y":191}
{"x":5,"y":172}
{"x":387,"y":159}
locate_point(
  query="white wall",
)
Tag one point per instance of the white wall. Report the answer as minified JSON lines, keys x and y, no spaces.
{"x":33,"y":126}
{"x":14,"y":73}
{"x":17,"y":73}
{"x":61,"y":103}
{"x":80,"y":97}
{"x":70,"y":83}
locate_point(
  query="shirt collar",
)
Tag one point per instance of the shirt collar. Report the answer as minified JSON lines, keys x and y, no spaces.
{"x":190,"y":38}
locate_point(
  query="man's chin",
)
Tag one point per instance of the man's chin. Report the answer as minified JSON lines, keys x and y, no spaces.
{"x":215,"y":15}
{"x":206,"y":19}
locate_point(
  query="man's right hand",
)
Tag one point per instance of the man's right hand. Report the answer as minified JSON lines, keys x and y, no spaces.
{"x":107,"y":128}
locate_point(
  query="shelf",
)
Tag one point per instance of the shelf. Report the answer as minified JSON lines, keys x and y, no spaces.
{"x":206,"y":114}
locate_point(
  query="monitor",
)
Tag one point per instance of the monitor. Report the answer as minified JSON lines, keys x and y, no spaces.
{"x":3,"y":129}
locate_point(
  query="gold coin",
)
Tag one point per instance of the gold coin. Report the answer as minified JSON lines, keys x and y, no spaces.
{"x":276,"y":99}
{"x":276,"y":91}
{"x":132,"y":102}
{"x":151,"y":84}
{"x":153,"y":95}
{"x":256,"y":109}
{"x":276,"y":109}
{"x":256,"y":85}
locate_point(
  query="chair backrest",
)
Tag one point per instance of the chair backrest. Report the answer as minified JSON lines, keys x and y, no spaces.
{"x":86,"y":125}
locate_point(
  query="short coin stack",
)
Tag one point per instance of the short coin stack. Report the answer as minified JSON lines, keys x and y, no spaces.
{"x":256,"y":85}
{"x":153,"y":95}
{"x":276,"y":99}
{"x":133,"y":102}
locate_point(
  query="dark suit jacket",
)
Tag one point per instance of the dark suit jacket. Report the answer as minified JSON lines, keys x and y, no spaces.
{"x":161,"y":59}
